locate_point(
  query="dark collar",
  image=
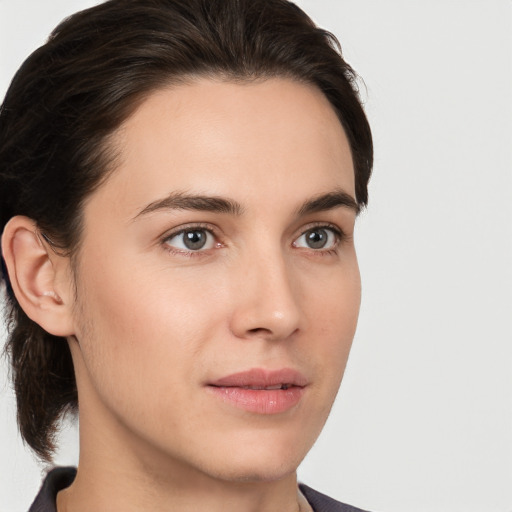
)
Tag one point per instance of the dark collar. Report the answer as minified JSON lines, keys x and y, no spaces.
{"x":56,"y":480}
{"x":322,"y":503}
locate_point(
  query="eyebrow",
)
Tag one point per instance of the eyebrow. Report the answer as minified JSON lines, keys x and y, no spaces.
{"x":184,"y":201}
{"x":329,"y":201}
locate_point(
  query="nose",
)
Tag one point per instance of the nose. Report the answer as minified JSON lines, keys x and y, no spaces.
{"x":266,"y":301}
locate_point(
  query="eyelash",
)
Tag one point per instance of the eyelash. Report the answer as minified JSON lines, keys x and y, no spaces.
{"x":183,"y":229}
{"x":339,"y":235}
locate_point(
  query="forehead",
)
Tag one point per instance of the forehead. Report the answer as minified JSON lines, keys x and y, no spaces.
{"x":263,"y":139}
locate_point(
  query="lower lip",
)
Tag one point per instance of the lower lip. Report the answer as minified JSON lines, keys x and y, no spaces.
{"x":261,"y":401}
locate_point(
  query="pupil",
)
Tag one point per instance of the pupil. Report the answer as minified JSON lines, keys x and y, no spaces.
{"x":194,"y":239}
{"x":317,"y":239}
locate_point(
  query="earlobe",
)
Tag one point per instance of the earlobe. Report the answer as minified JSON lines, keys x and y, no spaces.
{"x":35,"y":272}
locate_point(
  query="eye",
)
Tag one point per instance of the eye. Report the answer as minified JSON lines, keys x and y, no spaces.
{"x":192,"y":239}
{"x":318,"y":238}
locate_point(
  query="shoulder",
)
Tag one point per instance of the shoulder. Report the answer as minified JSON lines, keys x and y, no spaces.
{"x":322,"y":503}
{"x":56,"y":480}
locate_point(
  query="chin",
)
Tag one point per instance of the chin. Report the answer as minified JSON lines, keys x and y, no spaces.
{"x":256,"y":472}
{"x":260,"y":462}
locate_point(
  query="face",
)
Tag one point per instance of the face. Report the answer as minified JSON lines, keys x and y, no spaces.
{"x":217,"y":282}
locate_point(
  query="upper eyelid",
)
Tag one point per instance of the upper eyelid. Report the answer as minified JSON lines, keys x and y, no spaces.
{"x":322,"y":225}
{"x":171,"y":233}
{"x":339,"y":235}
{"x":214,"y":229}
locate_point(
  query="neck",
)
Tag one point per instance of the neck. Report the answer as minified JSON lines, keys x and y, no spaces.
{"x":118,"y":488}
{"x":120,"y":472}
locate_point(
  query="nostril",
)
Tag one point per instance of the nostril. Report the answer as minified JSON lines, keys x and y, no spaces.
{"x":259,"y":330}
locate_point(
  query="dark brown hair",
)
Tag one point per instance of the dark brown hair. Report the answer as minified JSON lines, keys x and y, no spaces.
{"x":73,"y":92}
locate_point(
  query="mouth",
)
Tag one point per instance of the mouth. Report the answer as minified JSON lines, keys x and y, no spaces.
{"x":261,"y":391}
{"x":279,"y":386}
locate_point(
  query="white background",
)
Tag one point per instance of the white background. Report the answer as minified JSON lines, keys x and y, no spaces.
{"x":424,"y":418}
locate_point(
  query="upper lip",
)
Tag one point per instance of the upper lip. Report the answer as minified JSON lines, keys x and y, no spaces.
{"x":262,"y":378}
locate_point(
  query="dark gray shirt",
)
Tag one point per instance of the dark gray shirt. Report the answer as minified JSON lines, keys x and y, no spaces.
{"x":60,"y":478}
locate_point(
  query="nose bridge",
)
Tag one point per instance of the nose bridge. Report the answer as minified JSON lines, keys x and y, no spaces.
{"x":268,"y":302}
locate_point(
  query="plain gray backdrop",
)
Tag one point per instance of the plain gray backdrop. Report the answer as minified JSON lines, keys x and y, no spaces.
{"x":423,"y":421}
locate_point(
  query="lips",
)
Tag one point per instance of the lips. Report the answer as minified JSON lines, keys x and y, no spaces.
{"x":261,"y":391}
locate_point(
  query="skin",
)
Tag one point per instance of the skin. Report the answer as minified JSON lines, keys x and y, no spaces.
{"x":153,"y":322}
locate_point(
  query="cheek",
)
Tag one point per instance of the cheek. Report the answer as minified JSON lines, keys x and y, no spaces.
{"x":143,"y":342}
{"x":335,"y":296}
{"x":146,"y":328}
{"x":334,"y":311}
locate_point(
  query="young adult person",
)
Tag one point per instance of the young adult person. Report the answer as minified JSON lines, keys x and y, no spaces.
{"x":179,"y":185}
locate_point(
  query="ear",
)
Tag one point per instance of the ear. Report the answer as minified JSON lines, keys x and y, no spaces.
{"x":40,"y":278}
